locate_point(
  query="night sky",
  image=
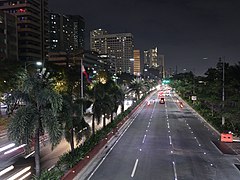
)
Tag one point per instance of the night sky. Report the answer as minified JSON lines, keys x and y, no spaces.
{"x":185,"y":31}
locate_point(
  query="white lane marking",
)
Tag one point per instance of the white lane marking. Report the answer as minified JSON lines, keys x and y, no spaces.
{"x":175,"y":171}
{"x":170,"y":139}
{"x":134,"y":168}
{"x":168,"y":126}
{"x":198,"y":141}
{"x":144,"y":138}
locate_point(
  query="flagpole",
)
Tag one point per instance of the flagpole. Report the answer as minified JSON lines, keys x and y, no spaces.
{"x":81,"y":92}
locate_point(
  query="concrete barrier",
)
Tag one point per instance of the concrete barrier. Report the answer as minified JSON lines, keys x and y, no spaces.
{"x":225,"y":137}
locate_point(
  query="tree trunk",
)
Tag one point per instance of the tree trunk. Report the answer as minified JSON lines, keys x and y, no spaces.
{"x":104,"y":121}
{"x":93,"y":124}
{"x":72,"y":140}
{"x":111,"y":116}
{"x":212,"y":109}
{"x":37,"y":153}
{"x":122,"y":107}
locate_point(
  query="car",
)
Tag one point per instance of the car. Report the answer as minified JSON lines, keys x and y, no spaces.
{"x":162,"y":101}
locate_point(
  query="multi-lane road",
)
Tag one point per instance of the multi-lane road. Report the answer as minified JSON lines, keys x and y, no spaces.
{"x":166,"y":142}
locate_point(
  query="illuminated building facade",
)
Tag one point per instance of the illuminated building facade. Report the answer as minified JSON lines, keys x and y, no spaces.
{"x":32,"y":27}
{"x":118,"y":45}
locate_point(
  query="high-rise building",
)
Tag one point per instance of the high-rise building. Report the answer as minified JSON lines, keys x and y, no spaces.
{"x":32,"y":27}
{"x":78,"y":31}
{"x":118,"y":45}
{"x":151,"y":58}
{"x":137,"y":62}
{"x":109,"y":63}
{"x":66,"y":38}
{"x":60,"y":33}
{"x":162,"y":66}
{"x":145,"y":57}
{"x":8,"y":37}
{"x":154,"y":61}
{"x":66,"y":33}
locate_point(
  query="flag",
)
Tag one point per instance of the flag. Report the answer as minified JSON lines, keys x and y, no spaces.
{"x":86,"y":74}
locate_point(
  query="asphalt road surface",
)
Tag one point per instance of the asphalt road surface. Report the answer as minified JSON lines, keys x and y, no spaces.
{"x":166,"y":142}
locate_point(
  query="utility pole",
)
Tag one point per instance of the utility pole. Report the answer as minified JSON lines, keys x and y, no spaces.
{"x":223,"y":90}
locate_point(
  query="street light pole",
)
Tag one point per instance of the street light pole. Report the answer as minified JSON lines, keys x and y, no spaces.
{"x":223,"y":90}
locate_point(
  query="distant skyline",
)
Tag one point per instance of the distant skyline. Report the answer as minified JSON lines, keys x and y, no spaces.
{"x":185,"y":31}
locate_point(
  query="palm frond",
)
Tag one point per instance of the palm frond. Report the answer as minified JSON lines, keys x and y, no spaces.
{"x":53,"y":127}
{"x":22,"y":126}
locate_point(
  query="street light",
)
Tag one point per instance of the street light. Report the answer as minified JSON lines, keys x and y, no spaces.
{"x":38,"y":63}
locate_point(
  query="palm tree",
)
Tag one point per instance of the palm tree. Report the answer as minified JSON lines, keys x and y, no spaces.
{"x":105,"y":101}
{"x":117,"y":96}
{"x":99,"y":97}
{"x":73,"y":121}
{"x":37,"y":116}
{"x":136,"y":86}
{"x":71,"y":116}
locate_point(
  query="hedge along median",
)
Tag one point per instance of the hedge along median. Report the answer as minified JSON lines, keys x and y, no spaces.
{"x":71,"y":163}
